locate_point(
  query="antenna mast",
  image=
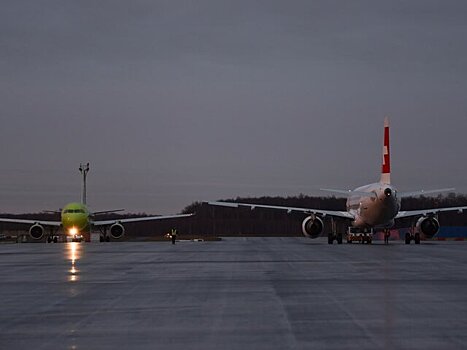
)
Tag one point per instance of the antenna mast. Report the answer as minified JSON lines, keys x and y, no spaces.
{"x":83,"y":169}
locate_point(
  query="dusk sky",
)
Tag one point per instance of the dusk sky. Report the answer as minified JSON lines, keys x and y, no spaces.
{"x":179,"y":101}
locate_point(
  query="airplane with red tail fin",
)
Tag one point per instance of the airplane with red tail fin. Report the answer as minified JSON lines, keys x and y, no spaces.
{"x":369,"y":207}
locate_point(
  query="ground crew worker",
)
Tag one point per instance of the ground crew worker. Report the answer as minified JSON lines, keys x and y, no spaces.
{"x":173,"y":235}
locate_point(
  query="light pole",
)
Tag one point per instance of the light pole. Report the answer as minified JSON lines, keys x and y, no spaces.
{"x":84,"y":171}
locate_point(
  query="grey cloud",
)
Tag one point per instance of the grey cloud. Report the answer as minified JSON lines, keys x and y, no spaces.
{"x":250,"y":95}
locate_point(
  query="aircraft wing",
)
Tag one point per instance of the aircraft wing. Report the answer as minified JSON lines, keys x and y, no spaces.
{"x":407,"y":213}
{"x":31,"y":222}
{"x":341,"y":214}
{"x":144,"y":218}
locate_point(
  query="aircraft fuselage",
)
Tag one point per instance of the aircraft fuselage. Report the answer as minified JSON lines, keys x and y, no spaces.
{"x":75,"y":218}
{"x":376,"y":209}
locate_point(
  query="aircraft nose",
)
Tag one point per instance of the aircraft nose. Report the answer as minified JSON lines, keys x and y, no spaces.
{"x":388,"y":192}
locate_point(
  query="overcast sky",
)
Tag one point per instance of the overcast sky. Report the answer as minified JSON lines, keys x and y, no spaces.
{"x":177,"y":101}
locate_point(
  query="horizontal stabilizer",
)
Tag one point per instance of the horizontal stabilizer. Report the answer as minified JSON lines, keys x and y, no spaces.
{"x":347,"y":193}
{"x":423,"y":192}
{"x":107,"y":211}
{"x":344,"y":192}
{"x":52,"y":211}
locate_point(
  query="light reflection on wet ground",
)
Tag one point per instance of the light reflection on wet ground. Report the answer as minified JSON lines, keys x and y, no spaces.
{"x":73,"y":252}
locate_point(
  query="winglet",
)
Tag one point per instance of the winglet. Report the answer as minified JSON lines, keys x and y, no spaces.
{"x":386,"y":166}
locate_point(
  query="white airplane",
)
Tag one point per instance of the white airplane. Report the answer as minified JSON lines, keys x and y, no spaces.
{"x":77,"y":221}
{"x":371,"y":206}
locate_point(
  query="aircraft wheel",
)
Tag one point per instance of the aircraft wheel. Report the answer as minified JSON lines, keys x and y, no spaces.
{"x":407,"y":238}
{"x":55,"y":239}
{"x":417,"y":238}
{"x":107,"y":239}
{"x":101,"y":239}
{"x":330,"y":239}
{"x":48,"y":239}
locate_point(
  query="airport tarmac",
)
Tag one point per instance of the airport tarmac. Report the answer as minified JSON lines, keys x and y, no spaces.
{"x":238,"y":293}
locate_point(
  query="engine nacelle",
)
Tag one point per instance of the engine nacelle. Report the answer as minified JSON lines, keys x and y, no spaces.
{"x":429,"y":226}
{"x":312,"y":226}
{"x":36,"y":231}
{"x":117,"y":230}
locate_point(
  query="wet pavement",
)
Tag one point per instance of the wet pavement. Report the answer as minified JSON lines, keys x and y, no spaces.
{"x":238,"y":293}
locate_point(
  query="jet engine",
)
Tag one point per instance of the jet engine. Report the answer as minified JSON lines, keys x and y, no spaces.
{"x":312,"y":226}
{"x":117,"y":230}
{"x":36,"y":231}
{"x":429,"y":226}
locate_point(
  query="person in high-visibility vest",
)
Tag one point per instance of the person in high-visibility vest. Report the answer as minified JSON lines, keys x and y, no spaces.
{"x":173,"y":235}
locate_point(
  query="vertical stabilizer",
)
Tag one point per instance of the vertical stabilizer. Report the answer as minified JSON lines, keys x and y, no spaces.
{"x":386,"y":167}
{"x":83,"y":169}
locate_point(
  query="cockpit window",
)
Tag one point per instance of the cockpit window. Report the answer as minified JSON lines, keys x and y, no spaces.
{"x":71,"y":211}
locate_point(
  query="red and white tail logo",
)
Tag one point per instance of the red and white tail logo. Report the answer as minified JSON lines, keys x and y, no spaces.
{"x":386,"y":167}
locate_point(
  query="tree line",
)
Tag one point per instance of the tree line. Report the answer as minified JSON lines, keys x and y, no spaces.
{"x":224,"y":221}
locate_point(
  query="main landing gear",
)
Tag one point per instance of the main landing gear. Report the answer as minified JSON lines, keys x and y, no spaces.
{"x":53,"y":235}
{"x":333,"y":235}
{"x":51,"y":239}
{"x":104,"y":237}
{"x":412,"y":235}
{"x":415,"y":237}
